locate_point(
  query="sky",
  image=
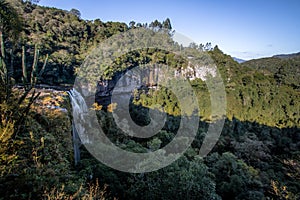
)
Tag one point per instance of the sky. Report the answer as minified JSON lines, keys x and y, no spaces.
{"x":245,"y":29}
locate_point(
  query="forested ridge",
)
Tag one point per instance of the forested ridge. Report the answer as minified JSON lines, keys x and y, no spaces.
{"x":256,"y":157}
{"x":285,"y":68}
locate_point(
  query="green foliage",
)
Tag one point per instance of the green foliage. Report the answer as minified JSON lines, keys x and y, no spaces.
{"x":31,"y":161}
{"x":63,"y":36}
{"x":284,"y":69}
{"x":16,"y":105}
{"x":75,"y":12}
{"x":234,"y":177}
{"x":10,"y":21}
{"x":255,"y":95}
{"x":256,"y":157}
{"x":181,"y":180}
{"x":251,"y":95}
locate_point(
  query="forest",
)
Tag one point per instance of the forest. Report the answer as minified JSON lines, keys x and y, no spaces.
{"x":42,"y":50}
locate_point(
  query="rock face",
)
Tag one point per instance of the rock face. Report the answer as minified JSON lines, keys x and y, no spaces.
{"x":105,"y":88}
{"x":126,"y":81}
{"x":193,"y":73}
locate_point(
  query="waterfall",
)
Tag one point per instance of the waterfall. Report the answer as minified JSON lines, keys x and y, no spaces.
{"x":79,"y":108}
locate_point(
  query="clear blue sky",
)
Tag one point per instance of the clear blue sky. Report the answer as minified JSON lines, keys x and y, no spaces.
{"x":242,"y":28}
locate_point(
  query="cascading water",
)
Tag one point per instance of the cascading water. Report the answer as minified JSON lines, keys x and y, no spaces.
{"x":79,"y":109}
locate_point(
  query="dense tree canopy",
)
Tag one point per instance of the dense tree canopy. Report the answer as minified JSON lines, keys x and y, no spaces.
{"x":10,"y":21}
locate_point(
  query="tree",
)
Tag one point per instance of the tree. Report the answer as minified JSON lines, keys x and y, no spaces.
{"x":167,"y":24}
{"x":75,"y":12}
{"x":280,"y":75}
{"x":156,"y":25}
{"x":10,"y":26}
{"x":10,"y":21}
{"x":208,"y":46}
{"x":132,"y":24}
{"x":201,"y":47}
{"x":33,"y":1}
{"x":235,"y":179}
{"x":193,"y":45}
{"x":183,"y":179}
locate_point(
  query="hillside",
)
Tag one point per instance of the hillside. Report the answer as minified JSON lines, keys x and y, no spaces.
{"x":284,"y":68}
{"x":256,"y":155}
{"x":293,"y":55}
{"x":62,"y":35}
{"x":239,"y":60}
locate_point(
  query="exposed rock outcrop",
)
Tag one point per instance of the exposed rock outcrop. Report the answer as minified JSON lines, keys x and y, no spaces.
{"x":128,"y":80}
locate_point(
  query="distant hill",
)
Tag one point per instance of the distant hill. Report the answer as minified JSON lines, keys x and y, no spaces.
{"x":283,"y":56}
{"x":285,"y":68}
{"x":238,"y":60}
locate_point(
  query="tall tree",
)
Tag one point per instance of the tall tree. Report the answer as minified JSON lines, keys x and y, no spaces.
{"x":132,"y":24}
{"x":155,"y":25}
{"x":167,"y":24}
{"x":33,"y":1}
{"x":75,"y":12}
{"x":10,"y":26}
{"x":10,"y":21}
